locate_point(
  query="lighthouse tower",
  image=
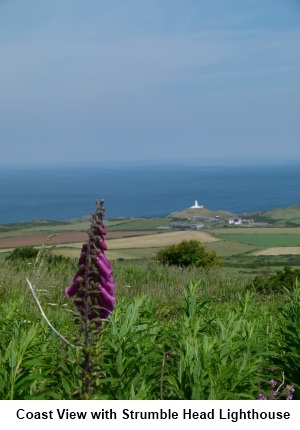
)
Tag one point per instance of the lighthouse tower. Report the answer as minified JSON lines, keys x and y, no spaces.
{"x":196,"y":206}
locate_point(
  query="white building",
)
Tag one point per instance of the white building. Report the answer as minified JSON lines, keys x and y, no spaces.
{"x":196,"y":206}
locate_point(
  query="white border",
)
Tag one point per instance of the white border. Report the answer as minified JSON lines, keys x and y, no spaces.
{"x":9,"y":410}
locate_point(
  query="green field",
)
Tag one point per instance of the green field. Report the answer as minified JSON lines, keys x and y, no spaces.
{"x":50,"y":227}
{"x":226,"y":248}
{"x":286,"y":213}
{"x":239,"y":242}
{"x":24,"y":229}
{"x":257,"y":230}
{"x":286,"y":216}
{"x":137,"y":224}
{"x":115,"y":254}
{"x":264,"y":240}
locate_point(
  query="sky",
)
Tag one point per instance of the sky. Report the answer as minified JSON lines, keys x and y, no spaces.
{"x":148,"y":80}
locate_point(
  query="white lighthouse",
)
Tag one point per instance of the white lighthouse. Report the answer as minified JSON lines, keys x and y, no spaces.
{"x":196,"y":206}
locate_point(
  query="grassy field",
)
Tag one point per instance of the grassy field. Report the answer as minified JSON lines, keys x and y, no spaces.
{"x":112,"y":254}
{"x":50,"y":227}
{"x":160,"y":240}
{"x":138,"y":247}
{"x":33,"y":228}
{"x":176,"y":333}
{"x":226,"y":248}
{"x":287,"y":250}
{"x":287,"y":216}
{"x":137,"y":224}
{"x":237,"y":258}
{"x":286,"y":213}
{"x":257,"y":230}
{"x":228,"y":242}
{"x":264,"y":240}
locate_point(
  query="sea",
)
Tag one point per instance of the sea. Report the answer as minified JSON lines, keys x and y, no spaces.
{"x":68,"y":192}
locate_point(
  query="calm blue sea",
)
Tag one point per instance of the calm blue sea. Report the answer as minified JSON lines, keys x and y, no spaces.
{"x":70,"y":192}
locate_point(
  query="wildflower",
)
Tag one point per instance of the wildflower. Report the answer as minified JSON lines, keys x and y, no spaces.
{"x":273,"y":394}
{"x":273,"y":383}
{"x":290,"y":388}
{"x":93,"y":285}
{"x":288,"y":392}
{"x":261,"y":397}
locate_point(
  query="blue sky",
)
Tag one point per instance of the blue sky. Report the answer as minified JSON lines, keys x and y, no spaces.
{"x":135,"y":80}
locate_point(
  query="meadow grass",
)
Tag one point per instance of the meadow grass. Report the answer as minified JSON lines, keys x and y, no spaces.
{"x":49,"y":227}
{"x":287,"y":213}
{"x":160,"y":239}
{"x":39,"y":227}
{"x":284,"y":250}
{"x":136,"y":224}
{"x":136,"y":248}
{"x":176,"y":333}
{"x":256,"y":230}
{"x":226,"y":248}
{"x":296,"y":221}
{"x":116,"y":254}
{"x":265,"y":240}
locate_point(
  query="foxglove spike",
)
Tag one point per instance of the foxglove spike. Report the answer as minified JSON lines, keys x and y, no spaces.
{"x":93,"y":285}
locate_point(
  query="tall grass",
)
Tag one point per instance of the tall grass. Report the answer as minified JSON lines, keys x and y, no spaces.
{"x":166,"y":284}
{"x":175,"y":334}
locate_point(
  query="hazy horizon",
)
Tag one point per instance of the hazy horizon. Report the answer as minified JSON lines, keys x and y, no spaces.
{"x":213,"y":162}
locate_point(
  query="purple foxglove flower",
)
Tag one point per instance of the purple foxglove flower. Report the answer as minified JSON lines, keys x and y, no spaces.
{"x":93,"y":285}
{"x":104,"y":260}
{"x":109,"y":286}
{"x":107,"y":303}
{"x":102,"y":230}
{"x":107,"y":300}
{"x":102,"y":245}
{"x":105,"y":271}
{"x":73,"y":289}
{"x":105,"y":279}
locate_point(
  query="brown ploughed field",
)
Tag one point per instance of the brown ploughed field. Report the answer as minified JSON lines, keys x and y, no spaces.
{"x":66,"y":237}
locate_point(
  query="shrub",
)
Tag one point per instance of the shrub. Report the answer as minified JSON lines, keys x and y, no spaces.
{"x":288,"y":338}
{"x":23,"y":253}
{"x":282,"y":279}
{"x":188,"y":253}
